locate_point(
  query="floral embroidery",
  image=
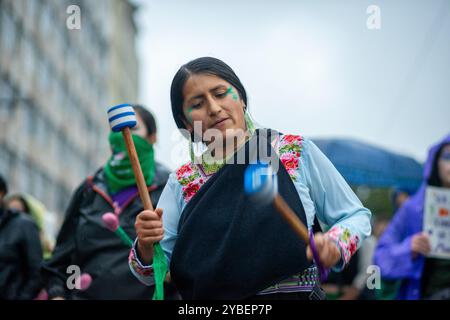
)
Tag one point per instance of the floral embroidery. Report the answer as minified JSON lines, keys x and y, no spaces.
{"x":291,"y":139}
{"x":190,"y":179}
{"x":137,"y":266}
{"x":290,"y":152}
{"x":184,"y":171}
{"x":347,"y":242}
{"x":191,"y":189}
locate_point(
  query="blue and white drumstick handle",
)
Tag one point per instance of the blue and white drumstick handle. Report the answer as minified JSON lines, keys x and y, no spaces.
{"x":122,"y":118}
{"x":261,"y":183}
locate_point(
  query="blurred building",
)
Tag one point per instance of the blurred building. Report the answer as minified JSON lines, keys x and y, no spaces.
{"x":55,"y":87}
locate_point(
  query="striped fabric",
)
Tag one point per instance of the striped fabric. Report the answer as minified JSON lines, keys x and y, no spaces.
{"x":121,"y":116}
{"x":302,"y":282}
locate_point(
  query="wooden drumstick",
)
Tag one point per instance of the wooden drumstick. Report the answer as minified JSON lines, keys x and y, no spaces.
{"x":122,"y":118}
{"x":260,"y":183}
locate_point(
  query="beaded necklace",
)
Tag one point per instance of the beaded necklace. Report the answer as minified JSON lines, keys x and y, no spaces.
{"x":207,"y":164}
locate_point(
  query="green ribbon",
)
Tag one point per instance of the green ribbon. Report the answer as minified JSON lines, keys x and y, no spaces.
{"x":160,"y":270}
{"x":124,"y":237}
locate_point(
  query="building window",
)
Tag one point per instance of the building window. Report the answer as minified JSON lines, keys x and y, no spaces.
{"x":63,"y":198}
{"x":44,"y":74}
{"x":34,"y":182}
{"x":39,"y":184}
{"x":46,"y":20}
{"x":40,"y":127}
{"x":47,"y":194}
{"x":28,"y":61}
{"x":6,"y":102}
{"x":23,"y":178}
{"x":6,"y":91}
{"x":32,"y":8}
{"x":8,"y":33}
{"x":4,"y":161}
{"x":26,"y":118}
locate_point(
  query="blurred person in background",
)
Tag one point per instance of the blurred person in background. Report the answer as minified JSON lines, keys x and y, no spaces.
{"x":84,"y":240}
{"x":20,"y":253}
{"x":399,"y":196}
{"x":402,"y":249}
{"x":27,"y":204}
{"x":389,"y":287}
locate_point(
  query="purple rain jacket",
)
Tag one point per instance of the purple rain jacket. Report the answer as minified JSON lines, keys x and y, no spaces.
{"x":393,"y":252}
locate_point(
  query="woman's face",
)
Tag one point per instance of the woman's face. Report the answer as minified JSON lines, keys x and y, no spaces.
{"x":444,"y":166}
{"x":214,"y":103}
{"x":16,"y":204}
{"x":141,"y":130}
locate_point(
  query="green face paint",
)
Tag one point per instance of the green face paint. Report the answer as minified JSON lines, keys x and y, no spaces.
{"x":189,"y":111}
{"x":233,"y":94}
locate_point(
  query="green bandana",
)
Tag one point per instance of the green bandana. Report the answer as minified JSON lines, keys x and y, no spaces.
{"x":118,"y":169}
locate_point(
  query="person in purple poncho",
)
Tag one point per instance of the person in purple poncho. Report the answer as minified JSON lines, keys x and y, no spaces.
{"x":402,"y":250}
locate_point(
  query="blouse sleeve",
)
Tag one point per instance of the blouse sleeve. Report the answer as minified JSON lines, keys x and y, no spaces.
{"x":171,"y":203}
{"x":344,"y":218}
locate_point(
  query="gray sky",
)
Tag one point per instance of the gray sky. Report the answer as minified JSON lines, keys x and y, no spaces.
{"x":310,"y":67}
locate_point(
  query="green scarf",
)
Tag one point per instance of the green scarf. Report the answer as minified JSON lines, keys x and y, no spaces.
{"x":118,"y":169}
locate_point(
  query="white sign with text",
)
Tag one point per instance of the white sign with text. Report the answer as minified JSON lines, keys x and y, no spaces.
{"x":436,"y":221}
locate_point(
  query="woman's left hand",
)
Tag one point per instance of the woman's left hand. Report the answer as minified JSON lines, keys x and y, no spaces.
{"x":328,"y":252}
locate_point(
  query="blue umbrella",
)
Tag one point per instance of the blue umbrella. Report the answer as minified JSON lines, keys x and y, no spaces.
{"x":364,"y":164}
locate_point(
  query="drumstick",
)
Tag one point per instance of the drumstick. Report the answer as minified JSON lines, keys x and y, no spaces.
{"x":122,"y":118}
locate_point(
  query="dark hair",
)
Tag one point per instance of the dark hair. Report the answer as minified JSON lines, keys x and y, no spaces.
{"x":204,"y":65}
{"x":18,"y":197}
{"x":435,"y":179}
{"x":3,"y":185}
{"x":147,"y":118}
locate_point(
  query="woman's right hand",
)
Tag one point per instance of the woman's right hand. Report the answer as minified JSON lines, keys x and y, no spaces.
{"x":149,"y":230}
{"x":420,"y":244}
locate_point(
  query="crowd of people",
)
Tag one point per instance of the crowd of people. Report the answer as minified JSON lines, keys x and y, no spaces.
{"x":218,"y":243}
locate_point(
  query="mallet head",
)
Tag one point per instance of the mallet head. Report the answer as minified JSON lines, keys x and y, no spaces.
{"x":110,"y":221}
{"x":121,"y":116}
{"x":260,"y":182}
{"x":85,"y":281}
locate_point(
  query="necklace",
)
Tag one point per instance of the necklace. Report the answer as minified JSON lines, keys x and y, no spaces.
{"x":207,"y":164}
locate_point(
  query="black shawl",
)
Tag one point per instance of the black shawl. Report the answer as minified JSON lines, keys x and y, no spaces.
{"x":230,"y":247}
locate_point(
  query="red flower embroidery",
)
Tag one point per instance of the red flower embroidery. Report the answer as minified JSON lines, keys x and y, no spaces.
{"x":191,"y":189}
{"x":352,"y":246}
{"x":334,"y":233}
{"x":134,"y":264}
{"x":291,"y":172}
{"x":290,"y":139}
{"x":184,"y":170}
{"x":289,"y":160}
